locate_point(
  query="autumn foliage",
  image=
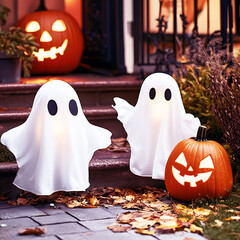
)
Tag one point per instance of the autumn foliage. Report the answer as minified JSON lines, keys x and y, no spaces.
{"x":210,"y":86}
{"x":149,"y":210}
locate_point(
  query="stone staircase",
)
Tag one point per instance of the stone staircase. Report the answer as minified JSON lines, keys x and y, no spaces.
{"x":96,"y":95}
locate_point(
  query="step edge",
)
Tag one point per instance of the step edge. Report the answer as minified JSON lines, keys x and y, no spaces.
{"x":88,"y":112}
{"x":78,"y":86}
{"x":94,"y":165}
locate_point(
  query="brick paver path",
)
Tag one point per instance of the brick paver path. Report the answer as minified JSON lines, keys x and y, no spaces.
{"x":64,"y":223}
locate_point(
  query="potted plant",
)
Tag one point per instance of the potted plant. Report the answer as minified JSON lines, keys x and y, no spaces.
{"x":16,"y":50}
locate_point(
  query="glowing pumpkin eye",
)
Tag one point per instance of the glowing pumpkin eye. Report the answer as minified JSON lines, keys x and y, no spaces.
{"x":58,"y":26}
{"x":32,"y":26}
{"x":182,"y":160}
{"x":206,"y":162}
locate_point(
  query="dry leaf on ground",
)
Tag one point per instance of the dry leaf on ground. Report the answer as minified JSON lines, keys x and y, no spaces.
{"x":217,"y":223}
{"x":140,"y":198}
{"x":128,"y":217}
{"x":234,"y":211}
{"x":197,"y":212}
{"x":32,"y":231}
{"x":119,"y":200}
{"x":157,"y":205}
{"x":144,"y":231}
{"x":195,"y":229}
{"x":232,"y":218}
{"x":119,"y":228}
{"x":141,"y":223}
{"x":165,"y":230}
{"x":94,"y":201}
{"x":4,"y":196}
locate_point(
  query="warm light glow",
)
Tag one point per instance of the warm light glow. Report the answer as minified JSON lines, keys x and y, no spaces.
{"x":74,"y":7}
{"x":49,"y":160}
{"x":155,"y":125}
{"x":190,"y":178}
{"x":59,"y":26}
{"x":190,"y":169}
{"x":181,"y":160}
{"x":32,"y":26}
{"x":46,"y":37}
{"x":206,"y":162}
{"x":158,"y":115}
{"x":52,"y":53}
{"x":167,"y":11}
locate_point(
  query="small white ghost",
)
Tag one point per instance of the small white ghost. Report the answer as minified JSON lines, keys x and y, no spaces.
{"x":55,"y":144}
{"x":155,"y":125}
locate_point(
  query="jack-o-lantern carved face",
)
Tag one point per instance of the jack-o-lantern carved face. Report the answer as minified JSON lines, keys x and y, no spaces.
{"x":57,"y":26}
{"x":198,"y":168}
{"x":188,"y":175}
{"x":60,"y":41}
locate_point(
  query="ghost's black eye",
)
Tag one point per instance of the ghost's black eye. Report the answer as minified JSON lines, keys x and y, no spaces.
{"x":73,"y":107}
{"x":168,"y":94}
{"x":152,"y":93}
{"x":52,"y":107}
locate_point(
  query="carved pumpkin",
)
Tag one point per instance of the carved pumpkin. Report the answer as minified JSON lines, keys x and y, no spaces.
{"x":60,"y":41}
{"x":198,"y":168}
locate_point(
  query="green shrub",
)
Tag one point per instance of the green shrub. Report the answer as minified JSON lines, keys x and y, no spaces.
{"x":211,"y":91}
{"x":197,"y":98}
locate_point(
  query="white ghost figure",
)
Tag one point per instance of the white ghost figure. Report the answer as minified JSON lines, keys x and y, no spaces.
{"x":55,"y":144}
{"x":155,"y":125}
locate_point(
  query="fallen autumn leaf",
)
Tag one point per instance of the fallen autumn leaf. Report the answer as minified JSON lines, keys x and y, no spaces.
{"x":32,"y":231}
{"x":119,"y":228}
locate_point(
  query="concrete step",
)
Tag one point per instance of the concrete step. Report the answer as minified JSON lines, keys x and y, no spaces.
{"x":107,"y":168}
{"x":96,"y":95}
{"x":93,"y":90}
{"x":103,"y":116}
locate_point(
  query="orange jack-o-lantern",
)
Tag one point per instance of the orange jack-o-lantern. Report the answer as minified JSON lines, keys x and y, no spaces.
{"x":198,"y":168}
{"x":60,"y":41}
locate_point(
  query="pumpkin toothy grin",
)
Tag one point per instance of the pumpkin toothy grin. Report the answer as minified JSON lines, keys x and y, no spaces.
{"x":190,"y":178}
{"x":52,"y":53}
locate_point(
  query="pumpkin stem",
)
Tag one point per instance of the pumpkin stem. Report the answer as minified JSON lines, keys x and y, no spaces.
{"x":41,"y":6}
{"x":201,"y":134}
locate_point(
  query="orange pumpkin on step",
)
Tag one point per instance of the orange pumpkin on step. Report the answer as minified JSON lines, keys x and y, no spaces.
{"x":60,"y":41}
{"x":198,"y":168}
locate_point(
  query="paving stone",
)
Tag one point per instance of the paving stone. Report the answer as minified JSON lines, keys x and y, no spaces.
{"x":180,"y":235}
{"x":138,"y":236}
{"x":7,"y":234}
{"x":116,"y":210}
{"x":98,"y":225}
{"x":12,"y":234}
{"x":64,"y":228}
{"x":106,"y":235}
{"x":76,"y":236}
{"x":18,"y":223}
{"x":79,"y":223}
{"x":109,"y":235}
{"x":41,"y":238}
{"x":63,"y":207}
{"x":90,"y":213}
{"x":56,"y":218}
{"x":50,"y":209}
{"x":20,"y":211}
